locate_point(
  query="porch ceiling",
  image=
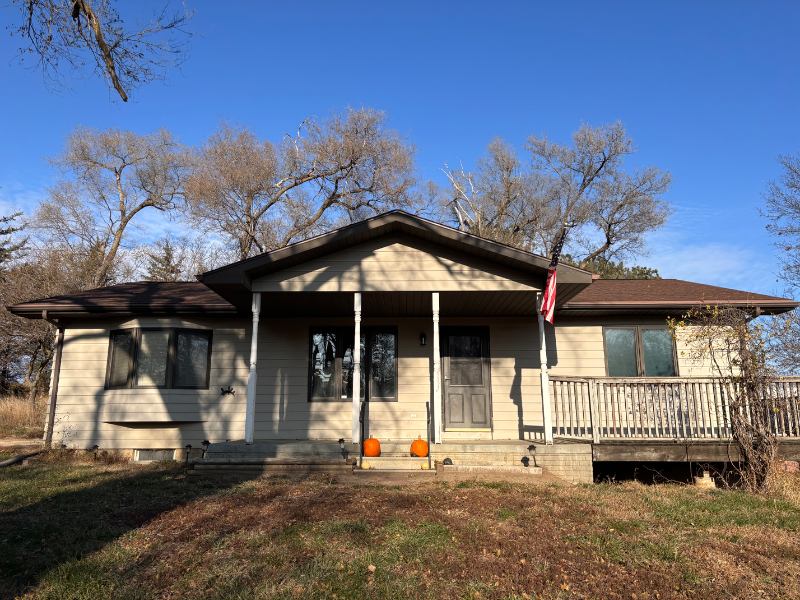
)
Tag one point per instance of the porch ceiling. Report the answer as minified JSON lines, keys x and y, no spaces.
{"x":400,"y":304}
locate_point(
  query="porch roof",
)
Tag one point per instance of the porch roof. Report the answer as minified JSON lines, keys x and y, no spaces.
{"x":663,"y":297}
{"x":234,"y":282}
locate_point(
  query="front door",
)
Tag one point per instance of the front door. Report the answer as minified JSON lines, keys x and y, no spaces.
{"x":466,"y":371}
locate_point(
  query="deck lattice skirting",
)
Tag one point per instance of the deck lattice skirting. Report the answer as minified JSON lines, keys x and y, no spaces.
{"x":601,"y":408}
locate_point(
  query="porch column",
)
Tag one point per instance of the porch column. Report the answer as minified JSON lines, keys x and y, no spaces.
{"x":437,"y":374}
{"x":250,"y":416}
{"x":357,"y":367}
{"x":547,"y":417}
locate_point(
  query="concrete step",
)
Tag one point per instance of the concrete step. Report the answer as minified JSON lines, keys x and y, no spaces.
{"x":387,"y":463}
{"x":478,"y":469}
{"x":269,"y":469}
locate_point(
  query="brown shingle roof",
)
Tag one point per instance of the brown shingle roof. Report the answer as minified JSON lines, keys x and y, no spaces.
{"x":139,"y":297}
{"x":663,"y":292}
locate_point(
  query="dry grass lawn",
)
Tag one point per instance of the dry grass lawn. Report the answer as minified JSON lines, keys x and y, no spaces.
{"x":99,"y":531}
{"x":19,"y":419}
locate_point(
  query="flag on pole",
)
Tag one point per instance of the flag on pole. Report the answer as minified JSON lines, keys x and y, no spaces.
{"x":549,"y":300}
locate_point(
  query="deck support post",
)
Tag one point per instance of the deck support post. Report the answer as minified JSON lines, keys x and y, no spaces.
{"x":357,"y":367}
{"x":547,"y":416}
{"x":437,"y":374}
{"x":250,"y":415}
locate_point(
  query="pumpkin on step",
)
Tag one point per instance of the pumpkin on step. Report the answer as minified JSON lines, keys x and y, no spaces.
{"x":372,"y":447}
{"x":419,"y":448}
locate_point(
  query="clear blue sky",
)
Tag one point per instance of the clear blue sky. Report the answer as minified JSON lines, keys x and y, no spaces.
{"x":708,"y":90}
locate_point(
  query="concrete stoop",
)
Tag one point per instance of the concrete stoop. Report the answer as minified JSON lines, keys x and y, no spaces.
{"x":571,"y":462}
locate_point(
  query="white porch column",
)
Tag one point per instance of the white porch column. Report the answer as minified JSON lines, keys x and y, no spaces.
{"x":547,"y":417}
{"x":436,"y":417}
{"x":249,"y":422}
{"x":357,"y":367}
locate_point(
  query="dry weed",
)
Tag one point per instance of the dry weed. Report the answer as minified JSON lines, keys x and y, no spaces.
{"x":786,"y":486}
{"x":18,"y":418}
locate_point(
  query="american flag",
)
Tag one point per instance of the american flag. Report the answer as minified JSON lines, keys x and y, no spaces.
{"x":549,"y":300}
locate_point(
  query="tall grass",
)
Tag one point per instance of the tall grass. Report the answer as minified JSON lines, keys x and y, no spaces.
{"x":18,"y":418}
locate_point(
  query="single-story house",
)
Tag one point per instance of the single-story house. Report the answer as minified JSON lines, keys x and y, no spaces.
{"x":262,"y":352}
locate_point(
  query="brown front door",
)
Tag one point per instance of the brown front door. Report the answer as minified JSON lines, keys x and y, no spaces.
{"x":466,"y":372}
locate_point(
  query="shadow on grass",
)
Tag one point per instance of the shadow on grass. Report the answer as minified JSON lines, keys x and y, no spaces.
{"x":50,"y":514}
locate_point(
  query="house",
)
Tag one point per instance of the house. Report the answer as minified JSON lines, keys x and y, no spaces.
{"x":259,"y":357}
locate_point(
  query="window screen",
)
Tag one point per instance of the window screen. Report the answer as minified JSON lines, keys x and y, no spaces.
{"x":151,"y":358}
{"x":621,"y":352}
{"x":159,"y":358}
{"x":191,"y":358}
{"x":382,"y":367}
{"x":323,"y":364}
{"x":121,"y":354}
{"x":657,"y":353}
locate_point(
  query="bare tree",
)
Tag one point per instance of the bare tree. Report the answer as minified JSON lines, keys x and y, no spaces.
{"x":581,"y":186}
{"x":265,"y":195}
{"x":782,"y":211}
{"x":737,"y":350}
{"x":109,"y":176}
{"x":85,"y":38}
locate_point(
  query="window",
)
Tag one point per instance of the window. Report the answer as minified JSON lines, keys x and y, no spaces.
{"x":331,"y":364}
{"x":640,"y":352}
{"x":159,"y":358}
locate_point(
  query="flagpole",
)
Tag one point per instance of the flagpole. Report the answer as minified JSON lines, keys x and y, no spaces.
{"x":547,"y":416}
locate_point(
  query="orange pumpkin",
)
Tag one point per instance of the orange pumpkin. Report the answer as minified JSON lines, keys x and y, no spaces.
{"x":419,"y":447}
{"x":372,"y":447}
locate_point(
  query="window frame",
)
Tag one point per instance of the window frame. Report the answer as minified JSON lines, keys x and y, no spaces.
{"x":133,"y":359}
{"x":366,"y":365}
{"x":639,"y":349}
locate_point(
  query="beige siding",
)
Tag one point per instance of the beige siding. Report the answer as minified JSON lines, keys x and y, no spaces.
{"x":575,"y":347}
{"x":283,"y":410}
{"x":84,"y":406}
{"x":396,"y":263}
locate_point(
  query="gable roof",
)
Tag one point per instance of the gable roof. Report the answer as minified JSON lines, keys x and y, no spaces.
{"x":233,"y":282}
{"x":664,"y":296}
{"x":142,"y":297}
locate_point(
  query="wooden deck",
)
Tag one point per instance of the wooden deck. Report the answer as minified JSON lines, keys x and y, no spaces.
{"x":605,"y":408}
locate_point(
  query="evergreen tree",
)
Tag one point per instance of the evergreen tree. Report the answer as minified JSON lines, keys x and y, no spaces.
{"x":8,"y":249}
{"x":608,"y":269}
{"x":163,"y":265}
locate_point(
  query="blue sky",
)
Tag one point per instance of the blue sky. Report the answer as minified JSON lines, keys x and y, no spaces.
{"x":707,"y":90}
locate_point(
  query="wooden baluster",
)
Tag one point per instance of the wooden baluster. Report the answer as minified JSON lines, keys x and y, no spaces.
{"x":612,"y":391}
{"x":584,"y":393}
{"x":660,"y":413}
{"x":630,"y":415}
{"x":717,"y":408}
{"x":785,"y":408}
{"x":686,"y":392}
{"x":622,"y":411}
{"x":555,"y":404}
{"x":568,"y":411}
{"x":703,"y":408}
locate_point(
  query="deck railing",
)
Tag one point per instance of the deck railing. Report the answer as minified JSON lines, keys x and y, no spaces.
{"x":667,"y":408}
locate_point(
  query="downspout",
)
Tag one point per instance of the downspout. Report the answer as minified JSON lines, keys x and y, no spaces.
{"x":51,"y":412}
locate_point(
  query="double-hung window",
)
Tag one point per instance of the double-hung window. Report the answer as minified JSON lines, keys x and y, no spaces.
{"x":331,"y":364}
{"x":159,"y":358}
{"x":640,"y":352}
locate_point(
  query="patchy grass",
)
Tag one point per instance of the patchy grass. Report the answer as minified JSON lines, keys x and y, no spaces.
{"x":19,"y":419}
{"x":99,"y":531}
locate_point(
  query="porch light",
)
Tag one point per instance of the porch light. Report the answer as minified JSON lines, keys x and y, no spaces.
{"x":422,"y":339}
{"x":341,"y":443}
